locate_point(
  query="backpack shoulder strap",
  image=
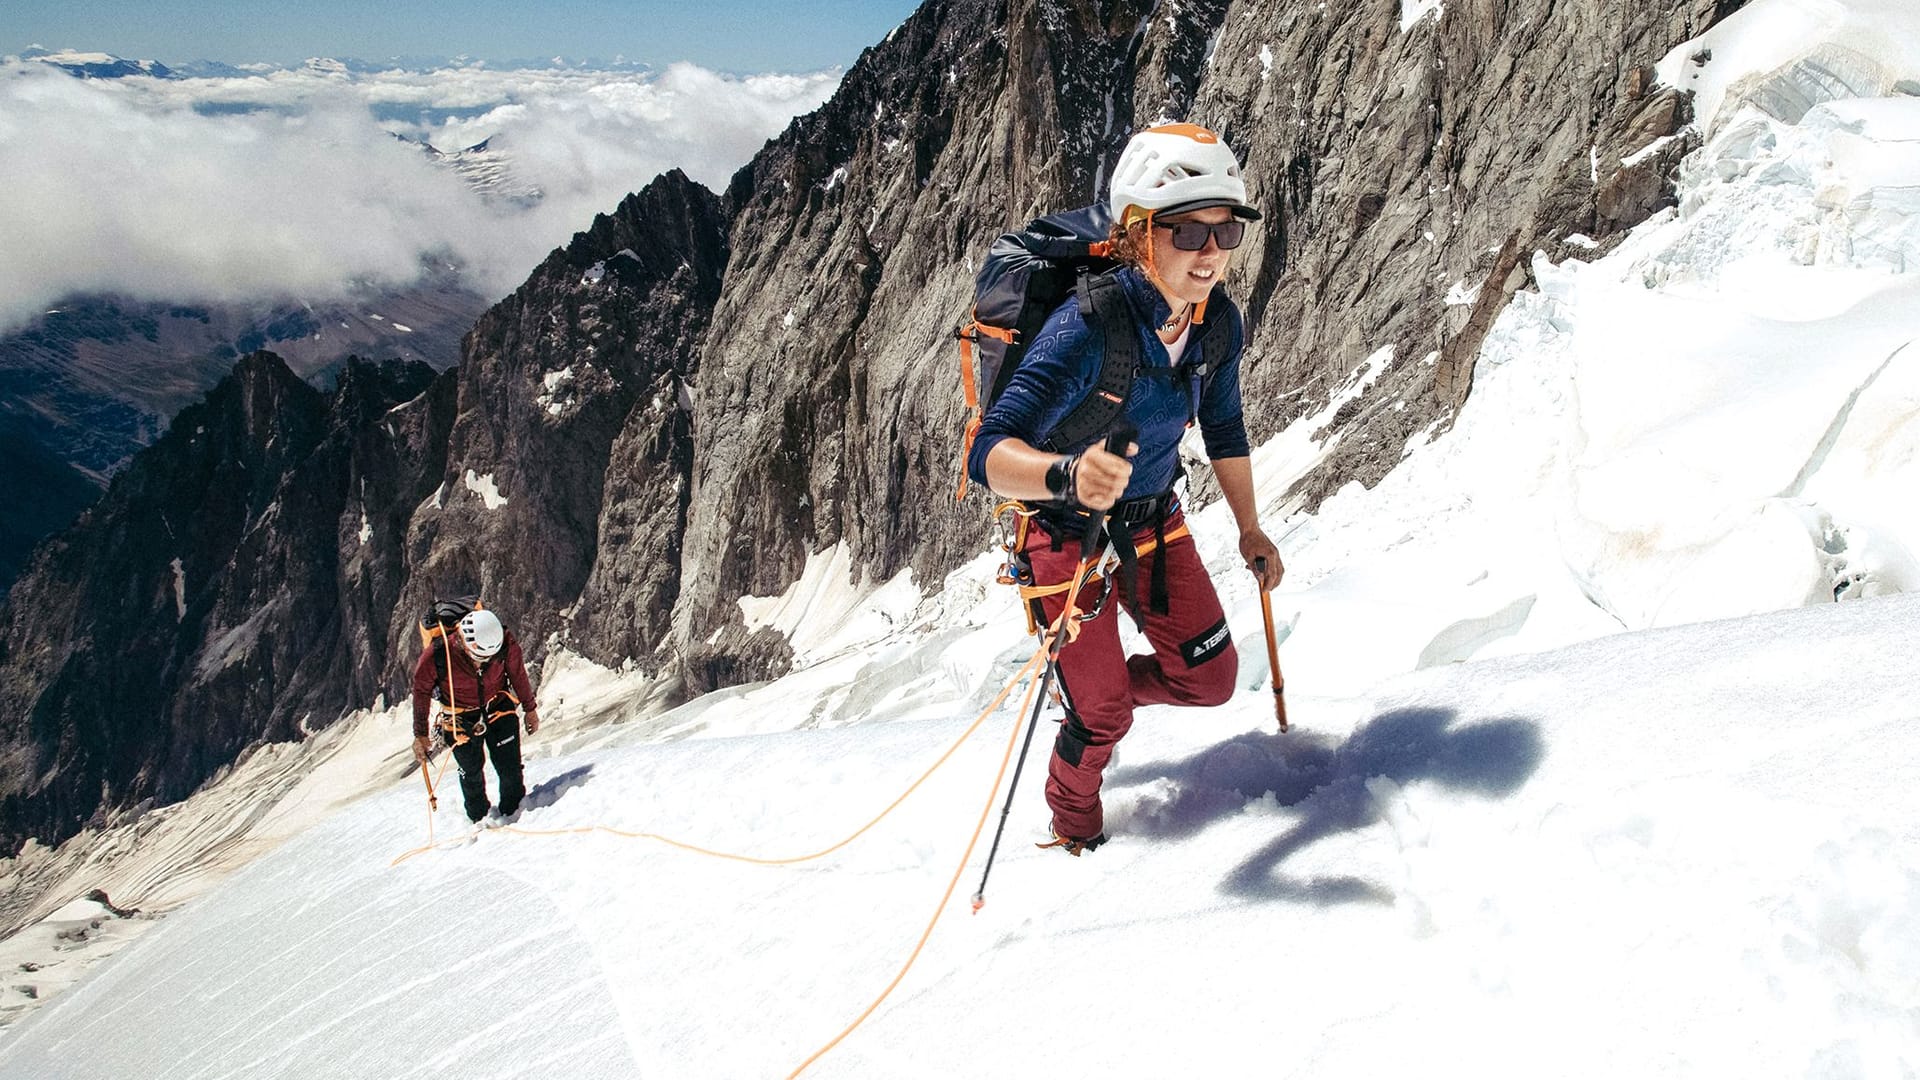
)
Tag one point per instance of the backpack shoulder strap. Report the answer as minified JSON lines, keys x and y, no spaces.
{"x":1103,"y":304}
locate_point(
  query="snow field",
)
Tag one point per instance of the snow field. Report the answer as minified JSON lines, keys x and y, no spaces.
{"x":1657,"y":854}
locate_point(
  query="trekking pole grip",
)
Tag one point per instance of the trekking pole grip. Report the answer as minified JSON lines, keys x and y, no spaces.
{"x":1118,"y":439}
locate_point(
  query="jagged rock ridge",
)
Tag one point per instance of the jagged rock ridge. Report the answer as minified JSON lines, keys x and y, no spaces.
{"x":1394,"y":164}
{"x":567,"y":486}
{"x":96,"y":378}
{"x":200,"y":606}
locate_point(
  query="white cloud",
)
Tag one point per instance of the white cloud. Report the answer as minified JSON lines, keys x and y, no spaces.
{"x":288,"y":185}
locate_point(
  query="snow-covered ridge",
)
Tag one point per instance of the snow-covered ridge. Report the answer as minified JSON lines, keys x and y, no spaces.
{"x":96,"y":65}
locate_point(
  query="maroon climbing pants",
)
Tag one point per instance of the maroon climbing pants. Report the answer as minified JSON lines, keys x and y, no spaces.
{"x":1193,"y":662}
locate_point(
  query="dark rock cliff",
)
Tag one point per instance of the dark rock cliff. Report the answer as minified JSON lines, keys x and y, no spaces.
{"x":196,"y":609}
{"x":566,"y":480}
{"x":43,"y":494}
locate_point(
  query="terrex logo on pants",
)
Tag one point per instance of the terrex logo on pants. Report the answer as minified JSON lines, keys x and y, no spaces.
{"x":1207,"y":646}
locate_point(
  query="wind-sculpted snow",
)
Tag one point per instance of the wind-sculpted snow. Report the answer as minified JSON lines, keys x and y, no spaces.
{"x":1786,"y":56}
{"x":1667,"y":854}
{"x":1721,"y":416}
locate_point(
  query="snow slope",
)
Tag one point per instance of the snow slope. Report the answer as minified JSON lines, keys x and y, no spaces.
{"x":1682,"y":852}
{"x":1537,"y":817}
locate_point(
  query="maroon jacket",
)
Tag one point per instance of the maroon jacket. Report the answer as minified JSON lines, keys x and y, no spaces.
{"x":472,"y":687}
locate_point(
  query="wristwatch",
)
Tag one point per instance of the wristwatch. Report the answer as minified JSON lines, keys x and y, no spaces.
{"x":1060,"y":476}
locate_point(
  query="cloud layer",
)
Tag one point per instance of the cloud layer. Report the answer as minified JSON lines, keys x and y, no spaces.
{"x":289,"y":184}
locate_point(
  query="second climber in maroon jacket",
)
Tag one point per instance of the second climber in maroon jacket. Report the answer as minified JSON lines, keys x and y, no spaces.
{"x":476,"y":680}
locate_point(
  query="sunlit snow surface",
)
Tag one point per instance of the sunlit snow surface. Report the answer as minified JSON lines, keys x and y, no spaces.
{"x":1690,"y":849}
{"x":1685,"y":852}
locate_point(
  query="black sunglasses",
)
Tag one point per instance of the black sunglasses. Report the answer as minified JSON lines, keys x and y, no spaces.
{"x":1192,"y":235}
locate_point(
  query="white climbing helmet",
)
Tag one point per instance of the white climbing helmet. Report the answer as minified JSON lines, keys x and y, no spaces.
{"x":482,"y":632}
{"x":1174,"y":168}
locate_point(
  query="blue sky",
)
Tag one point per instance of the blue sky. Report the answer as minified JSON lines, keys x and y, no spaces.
{"x":740,"y":36}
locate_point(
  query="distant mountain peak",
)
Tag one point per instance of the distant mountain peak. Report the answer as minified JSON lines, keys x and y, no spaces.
{"x":97,"y":65}
{"x":486,"y":169}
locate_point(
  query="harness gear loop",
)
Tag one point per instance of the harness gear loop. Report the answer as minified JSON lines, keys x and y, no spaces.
{"x":1115,"y":557}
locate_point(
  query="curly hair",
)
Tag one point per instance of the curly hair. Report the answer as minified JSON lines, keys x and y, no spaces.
{"x":1131,"y":241}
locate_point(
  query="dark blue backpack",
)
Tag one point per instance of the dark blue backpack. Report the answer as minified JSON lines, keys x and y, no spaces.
{"x":1026,"y":276}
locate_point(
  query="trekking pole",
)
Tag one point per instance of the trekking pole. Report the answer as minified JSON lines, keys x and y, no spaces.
{"x":1117,"y":440}
{"x":1273,"y":647}
{"x":1033,"y":722}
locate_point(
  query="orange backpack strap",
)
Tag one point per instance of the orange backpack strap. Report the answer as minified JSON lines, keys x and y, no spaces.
{"x":973,"y":331}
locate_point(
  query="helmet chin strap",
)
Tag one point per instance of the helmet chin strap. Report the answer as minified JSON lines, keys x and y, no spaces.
{"x":1147,"y":266}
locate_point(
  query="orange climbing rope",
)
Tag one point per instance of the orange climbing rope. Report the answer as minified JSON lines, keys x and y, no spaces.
{"x":1064,"y":630}
{"x":1013,"y":738}
{"x":1026,"y":670}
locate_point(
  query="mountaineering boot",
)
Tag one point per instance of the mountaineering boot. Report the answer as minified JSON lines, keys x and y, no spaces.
{"x":495,"y":819}
{"x":1071,"y":846}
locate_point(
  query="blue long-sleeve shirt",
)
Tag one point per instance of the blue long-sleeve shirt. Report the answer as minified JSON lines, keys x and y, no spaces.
{"x":1063,"y":364}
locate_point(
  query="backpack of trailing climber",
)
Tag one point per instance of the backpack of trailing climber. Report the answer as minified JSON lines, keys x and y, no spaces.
{"x":442,"y":617}
{"x":1026,"y":276}
{"x":439,"y":626}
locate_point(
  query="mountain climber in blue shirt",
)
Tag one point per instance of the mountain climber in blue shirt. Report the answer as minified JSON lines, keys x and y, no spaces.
{"x":1179,"y":208}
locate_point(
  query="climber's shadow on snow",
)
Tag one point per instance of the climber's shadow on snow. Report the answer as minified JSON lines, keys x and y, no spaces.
{"x":547,"y":792}
{"x":1325,"y":782}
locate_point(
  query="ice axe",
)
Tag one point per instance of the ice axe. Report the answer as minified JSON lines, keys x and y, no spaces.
{"x":1273,"y":647}
{"x":433,"y":801}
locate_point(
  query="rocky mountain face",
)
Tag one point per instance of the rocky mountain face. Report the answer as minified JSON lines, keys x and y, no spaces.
{"x":1399,"y":166}
{"x":567,"y":485}
{"x":200,"y":606}
{"x":1416,"y":171}
{"x":90,"y":382}
{"x":43,"y":494}
{"x":700,"y":393}
{"x":258,"y":570}
{"x":830,"y":399}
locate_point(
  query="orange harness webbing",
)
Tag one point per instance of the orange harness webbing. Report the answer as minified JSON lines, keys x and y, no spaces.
{"x":1030,"y":593}
{"x":1143,"y":548}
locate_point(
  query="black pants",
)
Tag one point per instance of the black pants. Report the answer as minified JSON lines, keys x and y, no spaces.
{"x":501,"y":742}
